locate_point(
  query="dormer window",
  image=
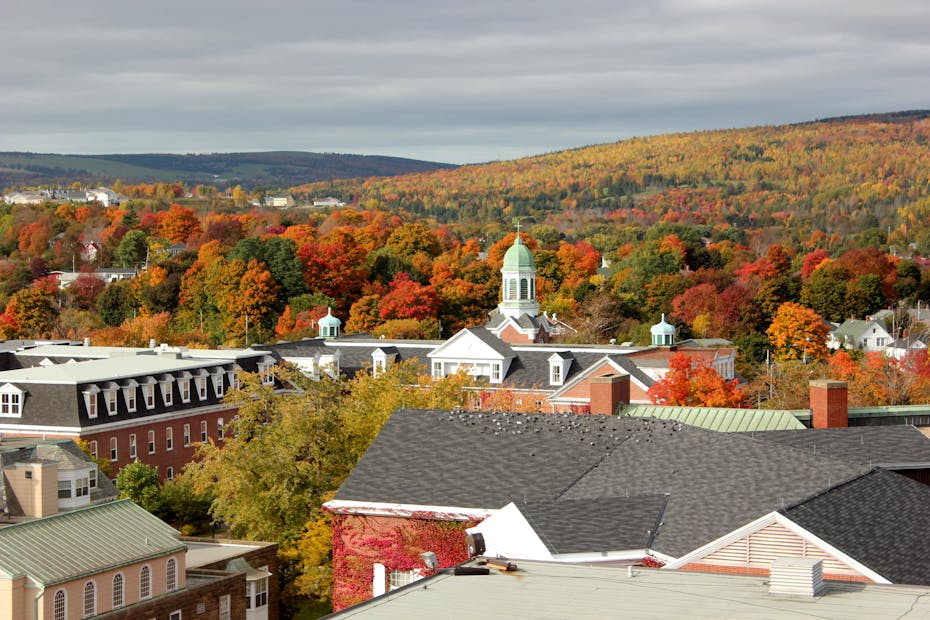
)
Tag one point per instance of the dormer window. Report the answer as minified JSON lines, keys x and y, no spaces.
{"x":129,"y":395}
{"x":381,"y":360}
{"x":233,"y":379}
{"x":11,"y":401}
{"x":185,"y":385}
{"x":559,"y":364}
{"x":167,"y":396}
{"x":218,"y":383}
{"x":149,"y":391}
{"x":109,"y":397}
{"x":90,"y":401}
{"x":555,"y":377}
{"x":266,"y":371}
{"x":200,"y":382}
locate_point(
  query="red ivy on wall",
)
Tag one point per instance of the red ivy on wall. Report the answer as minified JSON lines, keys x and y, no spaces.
{"x":397,"y":542}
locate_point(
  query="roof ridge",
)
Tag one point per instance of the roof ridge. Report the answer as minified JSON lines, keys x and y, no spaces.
{"x":830,"y":489}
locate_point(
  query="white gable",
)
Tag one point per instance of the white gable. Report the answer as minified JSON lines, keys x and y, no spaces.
{"x":466,"y":347}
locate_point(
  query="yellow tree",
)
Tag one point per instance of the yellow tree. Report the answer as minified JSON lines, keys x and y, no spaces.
{"x":797,"y":332}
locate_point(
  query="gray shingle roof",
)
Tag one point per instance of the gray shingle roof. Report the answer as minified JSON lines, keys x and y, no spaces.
{"x":585,"y":526}
{"x":717,"y":482}
{"x":881,"y":519}
{"x":74,"y":544}
{"x":871,"y":445}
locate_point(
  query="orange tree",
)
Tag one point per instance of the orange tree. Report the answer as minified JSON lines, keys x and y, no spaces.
{"x":797,"y":332}
{"x":691,"y":382}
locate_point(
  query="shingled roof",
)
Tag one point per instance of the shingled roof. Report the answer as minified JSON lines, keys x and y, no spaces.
{"x":716,"y":482}
{"x":888,"y":446}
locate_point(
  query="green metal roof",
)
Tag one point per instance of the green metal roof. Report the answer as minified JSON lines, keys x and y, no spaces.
{"x":722,"y":419}
{"x":76,"y":544}
{"x":518,"y":257}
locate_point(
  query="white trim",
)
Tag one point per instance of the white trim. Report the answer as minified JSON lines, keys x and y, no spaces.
{"x":444,"y":513}
{"x":780,"y":519}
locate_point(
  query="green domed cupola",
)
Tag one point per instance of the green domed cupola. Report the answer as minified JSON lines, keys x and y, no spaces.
{"x":329,"y":325}
{"x":663,"y":334}
{"x":518,"y":282}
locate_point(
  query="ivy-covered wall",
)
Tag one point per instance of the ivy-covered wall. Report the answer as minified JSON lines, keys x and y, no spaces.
{"x":397,"y":542}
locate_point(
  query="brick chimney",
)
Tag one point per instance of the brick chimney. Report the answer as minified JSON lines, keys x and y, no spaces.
{"x":829,"y":403}
{"x":607,"y":393}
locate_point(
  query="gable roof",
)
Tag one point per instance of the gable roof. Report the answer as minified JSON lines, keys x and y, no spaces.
{"x":80,"y":543}
{"x":477,"y":335}
{"x":855,"y":329}
{"x":723,"y":419}
{"x":716,"y":481}
{"x":857,"y":518}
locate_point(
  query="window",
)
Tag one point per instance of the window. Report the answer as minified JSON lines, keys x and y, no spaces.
{"x":166,"y":395}
{"x":185,"y":385}
{"x":117,"y":590}
{"x":233,"y":380}
{"x":169,"y":439}
{"x":11,"y":401}
{"x":218,"y":384}
{"x":113,"y":453}
{"x":224,"y":607}
{"x":266,"y":370}
{"x":556,"y":378}
{"x":175,"y":615}
{"x":203,"y":431}
{"x":399,"y":578}
{"x":145,"y":582}
{"x":93,"y":477}
{"x":129,"y":395}
{"x":93,"y":448}
{"x":90,"y":599}
{"x":151,"y":442}
{"x":82,"y":487}
{"x":495,"y":372}
{"x":171,"y":574}
{"x":256,"y":593}
{"x":110,"y":396}
{"x":64,"y":489}
{"x":28,"y":474}
{"x":148,"y":391}
{"x":169,"y":473}
{"x":201,"y":388}
{"x":59,"y":607}
{"x":437,"y":370}
{"x":132,"y":446}
{"x":524,"y":288}
{"x":220,"y":430}
{"x":90,"y":401}
{"x":187,"y":435}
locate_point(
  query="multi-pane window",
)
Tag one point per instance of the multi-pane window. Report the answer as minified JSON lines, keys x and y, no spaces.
{"x":233,"y":380}
{"x":203,"y":431}
{"x":93,"y":448}
{"x":90,"y":599}
{"x":113,"y":453}
{"x":266,"y":371}
{"x":185,"y":386}
{"x":117,"y":590}
{"x":220,"y":429}
{"x":58,"y":607}
{"x":148,"y":391}
{"x":129,"y":395}
{"x":187,"y":435}
{"x":437,"y":370}
{"x":110,"y":396}
{"x":224,"y":607}
{"x":132,"y":446}
{"x":556,"y":375}
{"x":145,"y":582}
{"x":166,"y":395}
{"x":398,"y":578}
{"x":169,"y":439}
{"x":169,"y":473}
{"x":171,"y":574}
{"x":93,"y":477}
{"x":64,"y":489}
{"x":90,"y":399}
{"x":151,"y":442}
{"x":201,"y":388}
{"x":11,"y":403}
{"x":495,"y":372}
{"x":82,"y":486}
{"x":256,"y":593}
{"x":218,"y":384}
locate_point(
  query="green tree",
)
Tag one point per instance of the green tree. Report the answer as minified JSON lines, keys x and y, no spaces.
{"x":132,"y":248}
{"x":139,"y":482}
{"x":116,"y":303}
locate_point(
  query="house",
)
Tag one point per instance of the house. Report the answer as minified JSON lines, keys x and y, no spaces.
{"x":643,"y":491}
{"x":71,"y":565}
{"x":155,"y":404}
{"x":328,"y":202}
{"x":867,"y":335}
{"x":105,"y":196}
{"x":478,"y":590}
{"x":513,"y":354}
{"x":281,"y":202}
{"x":42,"y":477}
{"x":24,"y":198}
{"x":107,"y":274}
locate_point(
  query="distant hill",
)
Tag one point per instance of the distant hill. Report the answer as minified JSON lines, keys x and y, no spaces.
{"x":269,"y":169}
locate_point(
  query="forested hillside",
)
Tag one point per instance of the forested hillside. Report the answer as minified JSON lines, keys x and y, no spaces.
{"x":754,"y":235}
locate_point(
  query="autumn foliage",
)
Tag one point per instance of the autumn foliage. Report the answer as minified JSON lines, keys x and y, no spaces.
{"x":691,"y":382}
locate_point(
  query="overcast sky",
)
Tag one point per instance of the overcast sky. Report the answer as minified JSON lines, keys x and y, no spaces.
{"x":457,"y":82}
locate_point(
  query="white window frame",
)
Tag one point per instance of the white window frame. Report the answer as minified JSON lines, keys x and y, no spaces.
{"x":110,"y":398}
{"x":171,"y":575}
{"x":437,"y":370}
{"x":224,"y":607}
{"x":220,"y":429}
{"x":151,"y":441}
{"x":60,"y":605}
{"x":204,"y":434}
{"x":89,"y":603}
{"x":187,"y":435}
{"x":114,"y":449}
{"x":119,"y":593}
{"x":495,"y":373}
{"x":167,"y":394}
{"x":184,"y":385}
{"x":233,"y":379}
{"x":145,"y":582}
{"x":90,"y":401}
{"x":400,"y":578}
{"x":93,"y":448}
{"x":169,"y":472}
{"x":133,"y":446}
{"x":129,"y":396}
{"x":555,"y":377}
{"x":11,"y":401}
{"x":218,"y":384}
{"x":169,"y":439}
{"x":201,"y":383}
{"x":148,"y":392}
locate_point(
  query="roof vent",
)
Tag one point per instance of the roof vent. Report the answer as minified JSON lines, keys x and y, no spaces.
{"x":798,"y":576}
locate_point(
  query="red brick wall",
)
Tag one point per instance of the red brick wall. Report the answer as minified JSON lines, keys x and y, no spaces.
{"x":360,"y":541}
{"x":608,"y":392}
{"x":162,"y":458}
{"x":203,"y":591}
{"x":829,"y":403}
{"x":259,"y":556}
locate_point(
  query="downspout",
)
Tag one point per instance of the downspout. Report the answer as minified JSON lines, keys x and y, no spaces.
{"x":35,"y":602}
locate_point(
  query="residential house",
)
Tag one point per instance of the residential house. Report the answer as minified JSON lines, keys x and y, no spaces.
{"x":155,"y":404}
{"x":71,"y":565}
{"x":868,"y":335}
{"x":328,"y":202}
{"x":281,"y":202}
{"x":623,"y":490}
{"x":107,"y":274}
{"x":105,"y":196}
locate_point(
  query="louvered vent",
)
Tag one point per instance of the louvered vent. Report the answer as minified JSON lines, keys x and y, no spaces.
{"x":800,"y":576}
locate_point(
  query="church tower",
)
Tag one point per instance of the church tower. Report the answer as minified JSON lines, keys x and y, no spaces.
{"x":518,"y":283}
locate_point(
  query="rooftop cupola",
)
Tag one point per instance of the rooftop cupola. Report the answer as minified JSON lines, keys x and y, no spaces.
{"x":663,"y":334}
{"x":329,"y":325}
{"x":518,"y":281}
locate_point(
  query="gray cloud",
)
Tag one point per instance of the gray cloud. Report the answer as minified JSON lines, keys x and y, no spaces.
{"x":463,"y":82}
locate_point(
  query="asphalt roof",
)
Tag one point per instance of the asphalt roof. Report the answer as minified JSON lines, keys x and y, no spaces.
{"x":551,"y":590}
{"x":888,"y":446}
{"x":716,"y":481}
{"x":723,"y":419}
{"x":881,"y":519}
{"x":82,"y":542}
